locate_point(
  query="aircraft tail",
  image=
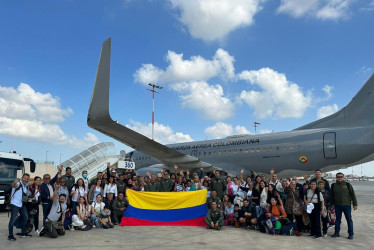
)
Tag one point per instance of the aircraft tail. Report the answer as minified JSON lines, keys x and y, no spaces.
{"x":360,"y":111}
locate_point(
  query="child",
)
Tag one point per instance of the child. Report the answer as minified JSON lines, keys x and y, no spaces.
{"x":229,"y":213}
{"x":105,"y":220}
{"x":237,"y":214}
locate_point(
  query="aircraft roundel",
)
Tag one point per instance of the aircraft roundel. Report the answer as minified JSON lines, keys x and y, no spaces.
{"x":303,"y":159}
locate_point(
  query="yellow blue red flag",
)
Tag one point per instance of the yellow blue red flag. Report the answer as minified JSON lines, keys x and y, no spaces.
{"x":165,"y":208}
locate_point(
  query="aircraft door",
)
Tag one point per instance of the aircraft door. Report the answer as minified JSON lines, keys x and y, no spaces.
{"x":194,"y":153}
{"x":329,"y":145}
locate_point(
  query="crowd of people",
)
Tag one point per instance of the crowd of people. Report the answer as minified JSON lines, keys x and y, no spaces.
{"x":257,"y":202}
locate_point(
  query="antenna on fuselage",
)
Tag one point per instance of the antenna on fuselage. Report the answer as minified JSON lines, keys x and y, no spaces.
{"x":256,"y":125}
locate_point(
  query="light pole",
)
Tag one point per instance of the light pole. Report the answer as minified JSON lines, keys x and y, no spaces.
{"x":46,"y":156}
{"x":153,"y":104}
{"x":60,"y":158}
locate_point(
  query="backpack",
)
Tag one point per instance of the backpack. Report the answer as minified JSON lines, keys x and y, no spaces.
{"x":288,"y":229}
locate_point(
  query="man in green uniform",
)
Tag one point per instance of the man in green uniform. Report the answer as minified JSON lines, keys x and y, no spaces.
{"x":342,"y":198}
{"x":152,"y":185}
{"x":121,"y":184}
{"x":166,"y":184}
{"x":119,"y":206}
{"x":214,"y":218}
{"x":213,"y":198}
{"x":69,"y":179}
{"x":218,"y":185}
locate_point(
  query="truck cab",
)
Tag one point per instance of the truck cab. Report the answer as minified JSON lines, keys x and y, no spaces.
{"x":10,"y":164}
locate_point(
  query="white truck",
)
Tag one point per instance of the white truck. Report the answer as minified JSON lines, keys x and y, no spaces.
{"x":10,"y":163}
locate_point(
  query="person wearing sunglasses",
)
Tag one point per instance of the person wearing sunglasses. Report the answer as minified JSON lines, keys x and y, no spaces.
{"x":48,"y":188}
{"x":342,"y":198}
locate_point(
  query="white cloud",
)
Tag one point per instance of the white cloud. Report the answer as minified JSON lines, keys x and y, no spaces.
{"x":326,"y":111}
{"x":365,"y":70}
{"x":214,"y":19}
{"x":241,"y":130}
{"x":320,"y":9}
{"x":163,"y":134}
{"x":207,"y":99}
{"x":279,"y":97}
{"x":180,"y":70}
{"x":27,"y":114}
{"x":221,"y":129}
{"x":327,"y":89}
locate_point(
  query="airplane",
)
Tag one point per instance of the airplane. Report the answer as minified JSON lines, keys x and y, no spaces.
{"x":343,"y":139}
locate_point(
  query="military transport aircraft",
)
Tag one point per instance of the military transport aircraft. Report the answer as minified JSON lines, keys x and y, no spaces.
{"x":340,"y":140}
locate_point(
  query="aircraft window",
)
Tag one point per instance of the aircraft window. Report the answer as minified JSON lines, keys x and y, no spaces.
{"x":214,"y":152}
{"x":241,"y":150}
{"x":284,"y":147}
{"x":277,"y":148}
{"x":292,"y":147}
{"x":235,"y":151}
{"x":224,"y":152}
{"x":246,"y":150}
{"x":219,"y":152}
{"x":209,"y":153}
{"x":258,"y":149}
{"x":264,"y":149}
{"x":199,"y":153}
{"x":270,"y":148}
{"x":252,"y":150}
{"x":229,"y":152}
{"x":299,"y":147}
{"x":204,"y":153}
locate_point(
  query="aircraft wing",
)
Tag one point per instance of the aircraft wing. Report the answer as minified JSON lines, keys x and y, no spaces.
{"x":99,"y":119}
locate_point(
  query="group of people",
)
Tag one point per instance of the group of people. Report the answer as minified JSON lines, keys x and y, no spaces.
{"x":257,"y":202}
{"x":282,"y":206}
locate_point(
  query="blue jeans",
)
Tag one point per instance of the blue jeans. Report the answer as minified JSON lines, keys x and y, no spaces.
{"x":346,"y":209}
{"x":46,"y":209}
{"x":96,"y":221}
{"x":13,"y":217}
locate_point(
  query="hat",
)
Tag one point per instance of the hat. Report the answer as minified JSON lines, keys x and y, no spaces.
{"x":309,"y":208}
{"x":159,"y":175}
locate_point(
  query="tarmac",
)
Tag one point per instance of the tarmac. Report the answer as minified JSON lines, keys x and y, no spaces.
{"x":202,"y":238}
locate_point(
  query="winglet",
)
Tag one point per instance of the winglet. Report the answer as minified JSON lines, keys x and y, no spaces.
{"x":99,"y":106}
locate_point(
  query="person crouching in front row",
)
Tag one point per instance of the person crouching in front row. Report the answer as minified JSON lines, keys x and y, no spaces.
{"x":214,"y":219}
{"x":53,"y":225}
{"x":105,"y":220}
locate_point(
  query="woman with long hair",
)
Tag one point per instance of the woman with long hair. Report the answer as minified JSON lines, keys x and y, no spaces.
{"x":78,"y":190}
{"x":35,"y":190}
{"x":95,"y":190}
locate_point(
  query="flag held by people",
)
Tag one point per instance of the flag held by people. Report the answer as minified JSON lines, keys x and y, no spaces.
{"x":165,"y":208}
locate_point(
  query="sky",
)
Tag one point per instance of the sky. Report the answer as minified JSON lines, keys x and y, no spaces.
{"x":223,"y":65}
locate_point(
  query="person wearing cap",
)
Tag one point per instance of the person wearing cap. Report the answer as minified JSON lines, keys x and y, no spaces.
{"x":166,"y":184}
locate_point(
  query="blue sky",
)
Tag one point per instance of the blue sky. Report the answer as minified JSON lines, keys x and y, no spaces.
{"x":223,"y":65}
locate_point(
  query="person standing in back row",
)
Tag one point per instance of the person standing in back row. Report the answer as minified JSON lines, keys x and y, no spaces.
{"x":69,"y":179}
{"x":342,"y":198}
{"x":218,"y":185}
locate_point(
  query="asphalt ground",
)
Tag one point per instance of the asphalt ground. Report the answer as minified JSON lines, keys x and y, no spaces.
{"x":202,"y":238}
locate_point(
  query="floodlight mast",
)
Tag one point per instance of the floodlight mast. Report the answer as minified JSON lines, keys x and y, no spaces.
{"x":153,"y":104}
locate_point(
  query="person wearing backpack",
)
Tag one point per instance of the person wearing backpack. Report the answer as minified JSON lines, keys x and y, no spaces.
{"x":342,"y":198}
{"x":18,"y":205}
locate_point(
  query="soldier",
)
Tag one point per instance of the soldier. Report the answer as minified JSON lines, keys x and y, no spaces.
{"x":214,"y":218}
{"x":166,"y":184}
{"x":213,"y":198}
{"x":218,"y":185}
{"x":119,"y":206}
{"x":121,"y":184}
{"x":69,"y":179}
{"x":152,"y":185}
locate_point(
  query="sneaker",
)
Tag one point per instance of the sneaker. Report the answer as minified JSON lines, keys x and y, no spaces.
{"x":350,"y":237}
{"x":37,"y":233}
{"x":71,"y":228}
{"x":94,"y":225}
{"x":11,"y":237}
{"x":26,"y":235}
{"x":331,"y":226}
{"x":318,"y":237}
{"x":324,"y":235}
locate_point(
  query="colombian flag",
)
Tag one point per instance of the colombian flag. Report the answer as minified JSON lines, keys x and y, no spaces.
{"x":165,"y":208}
